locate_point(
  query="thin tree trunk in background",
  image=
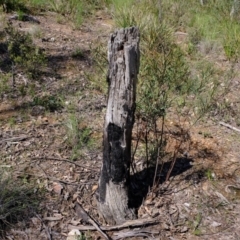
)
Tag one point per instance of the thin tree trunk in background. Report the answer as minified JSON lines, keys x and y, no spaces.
{"x":202,"y":2}
{"x":160,"y":14}
{"x":235,"y":8}
{"x":123,"y":57}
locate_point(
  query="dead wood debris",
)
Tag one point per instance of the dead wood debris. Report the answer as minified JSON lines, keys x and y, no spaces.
{"x":25,"y":18}
{"x":229,"y":126}
{"x":127,"y":224}
{"x":85,"y":216}
{"x":63,"y":160}
{"x":47,"y":229}
{"x":14,"y":139}
{"x":135,"y":233}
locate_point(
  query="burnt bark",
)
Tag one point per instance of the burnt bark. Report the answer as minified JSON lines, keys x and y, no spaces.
{"x":123,"y":57}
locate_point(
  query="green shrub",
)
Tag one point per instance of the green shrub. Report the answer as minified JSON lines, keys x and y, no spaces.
{"x":78,"y":135}
{"x":73,"y":10}
{"x":174,"y":79}
{"x":97,"y":78}
{"x":50,"y":103}
{"x":18,"y":201}
{"x":4,"y":83}
{"x":12,"y":5}
{"x":24,"y":53}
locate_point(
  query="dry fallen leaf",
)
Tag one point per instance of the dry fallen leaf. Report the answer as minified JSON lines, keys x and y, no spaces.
{"x":57,"y":188}
{"x":147,"y":210}
{"x":215,"y":224}
{"x":75,"y":196}
{"x":94,"y":188}
{"x":57,"y":217}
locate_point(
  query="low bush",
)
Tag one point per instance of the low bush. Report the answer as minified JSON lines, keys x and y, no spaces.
{"x":24,"y":53}
{"x":18,"y":201}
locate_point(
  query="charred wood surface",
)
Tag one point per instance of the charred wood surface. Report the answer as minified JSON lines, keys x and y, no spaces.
{"x":123,"y":57}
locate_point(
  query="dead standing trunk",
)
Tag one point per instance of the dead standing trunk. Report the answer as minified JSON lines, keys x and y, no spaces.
{"x":123,"y":57}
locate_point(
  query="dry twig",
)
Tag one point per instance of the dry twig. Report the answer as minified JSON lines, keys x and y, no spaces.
{"x":229,"y":126}
{"x":47,"y":230}
{"x":14,"y":139}
{"x":134,"y":233}
{"x":85,"y":216}
{"x":127,"y":224}
{"x":63,"y":160}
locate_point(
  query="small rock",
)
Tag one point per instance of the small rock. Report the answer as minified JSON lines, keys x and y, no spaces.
{"x":73,"y":234}
{"x":184,"y":229}
{"x":215,"y":224}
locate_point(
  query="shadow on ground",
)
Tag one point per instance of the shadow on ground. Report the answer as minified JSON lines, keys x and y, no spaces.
{"x":142,"y":181}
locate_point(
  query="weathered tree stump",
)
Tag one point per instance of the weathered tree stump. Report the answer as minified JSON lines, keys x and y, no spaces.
{"x":123,"y":57}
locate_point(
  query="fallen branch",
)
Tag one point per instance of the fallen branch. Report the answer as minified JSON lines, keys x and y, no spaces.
{"x":134,"y":233}
{"x":62,"y":160}
{"x":85,"y":216}
{"x":229,"y":126}
{"x":130,"y":223}
{"x":235,"y":187}
{"x":70,"y":183}
{"x":14,"y":139}
{"x":24,"y":18}
{"x":47,"y":229}
{"x":53,"y":179}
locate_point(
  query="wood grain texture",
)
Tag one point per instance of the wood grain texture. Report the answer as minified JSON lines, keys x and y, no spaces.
{"x":123,"y":57}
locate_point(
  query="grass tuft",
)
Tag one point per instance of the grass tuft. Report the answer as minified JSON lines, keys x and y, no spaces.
{"x":18,"y":201}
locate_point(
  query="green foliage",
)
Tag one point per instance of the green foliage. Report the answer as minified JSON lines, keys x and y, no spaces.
{"x":165,"y":79}
{"x":36,"y":3}
{"x":4,"y":83}
{"x":50,"y":103}
{"x":73,"y":10}
{"x":97,"y":78}
{"x":173,"y":77}
{"x":163,"y":75}
{"x":231,"y":48}
{"x":78,"y":135}
{"x":24,"y":53}
{"x":209,"y":174}
{"x":210,"y":22}
{"x":123,"y":13}
{"x":197,"y":232}
{"x":12,"y":5}
{"x":17,"y":200}
{"x":82,"y":237}
{"x":78,"y":53}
